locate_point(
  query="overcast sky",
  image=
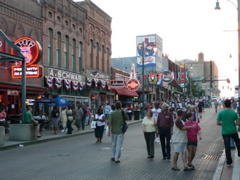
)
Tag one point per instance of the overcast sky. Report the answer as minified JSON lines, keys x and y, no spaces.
{"x":187,"y":28}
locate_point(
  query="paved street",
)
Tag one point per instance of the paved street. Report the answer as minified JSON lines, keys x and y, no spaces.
{"x":79,"y":157}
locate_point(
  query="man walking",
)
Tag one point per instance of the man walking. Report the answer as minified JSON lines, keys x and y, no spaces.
{"x":115,"y":124}
{"x":228,"y":119}
{"x":165,"y":124}
{"x":216,"y":105}
{"x":107,"y":110}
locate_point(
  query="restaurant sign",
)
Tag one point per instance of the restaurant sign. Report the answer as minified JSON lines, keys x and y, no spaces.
{"x":32,"y":71}
{"x":116,"y":84}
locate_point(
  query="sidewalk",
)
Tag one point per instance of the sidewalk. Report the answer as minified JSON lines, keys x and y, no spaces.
{"x":223,"y":172}
{"x":48,"y":135}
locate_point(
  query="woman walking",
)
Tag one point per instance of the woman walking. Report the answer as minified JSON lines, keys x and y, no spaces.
{"x":64,"y":118}
{"x":100,"y":119}
{"x":149,"y":127}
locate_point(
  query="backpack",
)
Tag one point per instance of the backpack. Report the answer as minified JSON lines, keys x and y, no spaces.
{"x":55,"y":114}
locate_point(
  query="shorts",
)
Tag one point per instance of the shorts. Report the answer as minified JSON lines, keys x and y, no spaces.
{"x":192,"y":143}
{"x":180,"y":147}
{"x":87,"y":118}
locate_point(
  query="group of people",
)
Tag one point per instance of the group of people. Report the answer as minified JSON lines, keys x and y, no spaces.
{"x":170,"y":127}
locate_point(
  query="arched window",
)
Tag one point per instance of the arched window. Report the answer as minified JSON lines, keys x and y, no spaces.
{"x":91,"y":53}
{"x":108,"y":56}
{"x":103,"y":58}
{"x":50,"y":45}
{"x":58,"y":50}
{"x":97,"y":57}
{"x":74,"y":54}
{"x":66,"y":52}
{"x":80,"y":56}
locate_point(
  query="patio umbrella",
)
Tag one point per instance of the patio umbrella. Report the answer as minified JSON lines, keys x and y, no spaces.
{"x":138,"y":100}
{"x":43,"y":100}
{"x":60,"y":101}
{"x":128,"y":102}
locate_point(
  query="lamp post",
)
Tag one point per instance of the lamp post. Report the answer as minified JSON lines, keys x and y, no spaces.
{"x":238,"y":9}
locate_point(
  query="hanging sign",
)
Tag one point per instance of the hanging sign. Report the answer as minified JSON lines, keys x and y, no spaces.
{"x":116,"y":84}
{"x":182,"y":77}
{"x":133,"y":84}
{"x":152,"y":78}
{"x":167,"y":76}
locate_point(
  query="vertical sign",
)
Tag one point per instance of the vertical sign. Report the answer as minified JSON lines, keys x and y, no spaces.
{"x":2,"y":49}
{"x":149,"y":42}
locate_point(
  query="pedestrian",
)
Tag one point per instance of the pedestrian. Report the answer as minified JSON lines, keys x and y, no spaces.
{"x":55,"y":114}
{"x":192,"y":136}
{"x":179,"y":140}
{"x":193,"y":110}
{"x":31,"y":120}
{"x":165,"y":124}
{"x":228,"y":119}
{"x":84,"y":117}
{"x":79,"y":116}
{"x":200,"y":108}
{"x":69,"y":120}
{"x":63,"y":118}
{"x":115,"y":124}
{"x":107,"y":110}
{"x":156,"y":110}
{"x":3,"y":116}
{"x":88,"y":115}
{"x":216,"y":105}
{"x":149,"y":127}
{"x":100,"y":119}
{"x":129,"y":112}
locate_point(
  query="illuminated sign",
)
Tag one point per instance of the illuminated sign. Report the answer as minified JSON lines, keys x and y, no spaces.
{"x":133,"y":84}
{"x":116,"y":84}
{"x":32,"y":71}
{"x":152,"y":78}
{"x":30,"y":49}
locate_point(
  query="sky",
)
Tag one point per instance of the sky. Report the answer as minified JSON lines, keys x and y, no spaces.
{"x":187,"y":27}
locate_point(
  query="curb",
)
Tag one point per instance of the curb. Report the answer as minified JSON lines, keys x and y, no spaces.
{"x":219,"y":170}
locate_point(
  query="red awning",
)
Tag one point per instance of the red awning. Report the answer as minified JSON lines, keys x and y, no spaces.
{"x":126,"y":92}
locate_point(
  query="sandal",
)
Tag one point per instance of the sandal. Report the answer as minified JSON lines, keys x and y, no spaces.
{"x":175,"y":168}
{"x":186,"y":168}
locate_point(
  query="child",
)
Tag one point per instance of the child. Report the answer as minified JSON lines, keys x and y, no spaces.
{"x":192,"y":136}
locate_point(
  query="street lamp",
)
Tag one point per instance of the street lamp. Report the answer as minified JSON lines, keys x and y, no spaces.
{"x":143,"y":94}
{"x":238,"y":9}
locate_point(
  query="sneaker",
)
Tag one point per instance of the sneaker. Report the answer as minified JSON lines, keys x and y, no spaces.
{"x":66,"y":130}
{"x":229,"y":165}
{"x":175,"y":168}
{"x":117,"y":161}
{"x":62,"y":130}
{"x":168,"y":159}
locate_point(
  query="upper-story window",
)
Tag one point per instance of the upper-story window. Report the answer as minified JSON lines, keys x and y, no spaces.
{"x":66,"y":22}
{"x":80,"y":56}
{"x":49,"y":14}
{"x":58,"y":49}
{"x":50,"y":46}
{"x":58,"y":19}
{"x":103,"y":58}
{"x":66,"y":52}
{"x":91,"y":53}
{"x":80,"y":30}
{"x":73,"y":26}
{"x":97,"y":56}
{"x":74,"y":54}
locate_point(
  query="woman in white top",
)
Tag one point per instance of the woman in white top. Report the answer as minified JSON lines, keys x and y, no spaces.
{"x":100,"y":119}
{"x":156,"y":110}
{"x":149,"y":127}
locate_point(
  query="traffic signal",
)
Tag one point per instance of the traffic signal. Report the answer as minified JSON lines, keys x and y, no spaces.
{"x":228,"y":80}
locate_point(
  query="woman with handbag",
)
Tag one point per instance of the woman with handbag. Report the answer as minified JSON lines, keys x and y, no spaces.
{"x":149,"y":127}
{"x":100,"y":124}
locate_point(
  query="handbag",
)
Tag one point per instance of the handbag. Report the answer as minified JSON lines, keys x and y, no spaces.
{"x":93,"y":124}
{"x":125,"y":126}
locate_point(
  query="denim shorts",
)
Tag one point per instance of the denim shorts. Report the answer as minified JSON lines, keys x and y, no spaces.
{"x":192,"y":143}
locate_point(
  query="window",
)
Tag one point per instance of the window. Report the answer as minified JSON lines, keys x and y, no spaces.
{"x":66,"y":22}
{"x":73,"y":26}
{"x":74,"y":55}
{"x":80,"y":30}
{"x":58,"y":49}
{"x":80,"y":56}
{"x":50,"y":37}
{"x":50,"y":14}
{"x":108,"y":54}
{"x":66,"y":52}
{"x":91,"y":53}
{"x":97,"y":57}
{"x":58,"y":18}
{"x":103,"y":58}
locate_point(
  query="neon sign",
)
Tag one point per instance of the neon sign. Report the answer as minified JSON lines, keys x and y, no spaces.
{"x":30,"y":48}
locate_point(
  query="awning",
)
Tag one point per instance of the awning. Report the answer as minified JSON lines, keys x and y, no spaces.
{"x":126,"y":92}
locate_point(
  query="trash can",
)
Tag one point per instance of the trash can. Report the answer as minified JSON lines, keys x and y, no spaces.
{"x":136,"y":115}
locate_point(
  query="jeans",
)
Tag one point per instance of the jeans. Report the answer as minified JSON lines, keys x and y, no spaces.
{"x":83,"y":123}
{"x":149,"y":138}
{"x":226,"y":139}
{"x":165,"y":134}
{"x":117,"y":140}
{"x":129,"y":116}
{"x":69,"y":126}
{"x":78,"y":123}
